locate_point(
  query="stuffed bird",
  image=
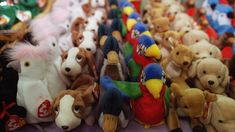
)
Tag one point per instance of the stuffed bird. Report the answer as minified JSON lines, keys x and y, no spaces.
{"x":150,"y":109}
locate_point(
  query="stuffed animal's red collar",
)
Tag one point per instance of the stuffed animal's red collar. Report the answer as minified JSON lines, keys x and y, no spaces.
{"x":5,"y":108}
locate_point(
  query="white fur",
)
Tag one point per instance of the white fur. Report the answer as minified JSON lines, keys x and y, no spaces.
{"x":65,"y":42}
{"x":97,"y":3}
{"x":223,"y":19}
{"x":92,"y":24}
{"x":88,"y":41}
{"x":65,"y":115}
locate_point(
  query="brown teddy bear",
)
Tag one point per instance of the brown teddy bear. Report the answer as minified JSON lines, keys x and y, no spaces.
{"x":178,"y":62}
{"x":161,"y":25}
{"x":194,"y":36}
{"x":204,"y":49}
{"x":210,"y":74}
{"x":187,"y":102}
{"x":169,"y":41}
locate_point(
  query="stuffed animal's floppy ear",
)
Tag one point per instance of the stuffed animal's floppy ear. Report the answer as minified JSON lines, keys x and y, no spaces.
{"x":91,"y":64}
{"x":177,"y":90}
{"x":193,"y":69}
{"x":78,"y":25}
{"x":225,"y":81}
{"x":210,"y":97}
{"x":87,"y":96}
{"x":218,"y":54}
{"x":82,"y":80}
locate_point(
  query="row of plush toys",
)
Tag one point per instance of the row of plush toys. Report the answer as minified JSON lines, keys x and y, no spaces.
{"x":104,"y":61}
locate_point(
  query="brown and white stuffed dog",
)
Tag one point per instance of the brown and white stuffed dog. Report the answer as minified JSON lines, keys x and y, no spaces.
{"x":77,"y":61}
{"x":70,"y":107}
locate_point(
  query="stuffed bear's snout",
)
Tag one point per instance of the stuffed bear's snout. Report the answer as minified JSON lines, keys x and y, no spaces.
{"x":210,"y":82}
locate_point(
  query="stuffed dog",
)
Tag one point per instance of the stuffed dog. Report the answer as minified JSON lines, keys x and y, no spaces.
{"x":204,"y":49}
{"x":178,"y":62}
{"x":210,"y":74}
{"x":71,"y":106}
{"x":77,"y":61}
{"x":194,"y":36}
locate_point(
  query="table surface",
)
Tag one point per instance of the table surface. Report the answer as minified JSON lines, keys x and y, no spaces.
{"x":133,"y":126}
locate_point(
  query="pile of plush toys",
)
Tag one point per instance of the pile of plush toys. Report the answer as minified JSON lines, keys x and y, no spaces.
{"x":109,"y":62}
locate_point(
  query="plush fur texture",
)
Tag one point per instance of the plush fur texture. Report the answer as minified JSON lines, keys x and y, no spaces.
{"x":210,"y":74}
{"x":204,"y":49}
{"x":194,"y":36}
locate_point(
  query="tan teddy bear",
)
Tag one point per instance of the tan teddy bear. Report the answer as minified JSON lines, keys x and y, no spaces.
{"x":152,"y":14}
{"x":161,"y":25}
{"x":178,"y":62}
{"x":204,"y":49}
{"x":169,"y":41}
{"x":194,"y":36}
{"x":174,"y":10}
{"x":180,"y":25}
{"x":210,"y":74}
{"x":187,"y":102}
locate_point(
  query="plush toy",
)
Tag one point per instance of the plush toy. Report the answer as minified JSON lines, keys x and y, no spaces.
{"x":70,"y":107}
{"x":31,"y":63}
{"x":187,"y":102}
{"x":77,"y":61}
{"x":178,"y":62}
{"x":173,"y":10}
{"x":112,"y":64}
{"x":190,"y":7}
{"x":146,"y":51}
{"x":112,"y":114}
{"x":169,"y":41}
{"x":139,"y":29}
{"x":217,"y":115}
{"x":204,"y":49}
{"x":161,"y":25}
{"x":210,"y":74}
{"x":100,"y":15}
{"x":12,"y":116}
{"x":224,"y":16}
{"x":184,"y":16}
{"x":194,"y":36}
{"x":150,"y":109}
{"x":180,"y":25}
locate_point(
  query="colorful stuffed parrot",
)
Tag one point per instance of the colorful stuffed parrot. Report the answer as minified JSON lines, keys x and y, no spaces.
{"x":139,"y":29}
{"x":137,"y":5}
{"x":146,"y":51}
{"x":151,"y":108}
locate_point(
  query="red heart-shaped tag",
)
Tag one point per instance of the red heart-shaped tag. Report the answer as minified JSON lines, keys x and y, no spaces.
{"x":44,"y":109}
{"x":14,"y":122}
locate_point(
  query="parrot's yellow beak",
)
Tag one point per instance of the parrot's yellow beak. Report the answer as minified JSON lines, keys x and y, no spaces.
{"x":128,"y":10}
{"x":153,"y":51}
{"x":154,"y":86}
{"x":130,"y":23}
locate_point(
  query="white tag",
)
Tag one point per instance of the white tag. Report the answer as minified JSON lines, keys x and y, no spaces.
{"x":23,"y":15}
{"x":4,"y":20}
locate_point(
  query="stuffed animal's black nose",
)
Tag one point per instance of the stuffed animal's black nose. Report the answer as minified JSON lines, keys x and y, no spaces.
{"x":67,"y":69}
{"x":65,"y":127}
{"x":211,"y":82}
{"x":185,"y":63}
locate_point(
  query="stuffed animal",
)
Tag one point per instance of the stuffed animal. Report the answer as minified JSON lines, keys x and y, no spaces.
{"x":209,"y":6}
{"x":112,"y":64}
{"x":70,"y":107}
{"x":231,"y":90}
{"x":112,"y":114}
{"x":204,"y":49}
{"x":210,"y":74}
{"x":180,"y":24}
{"x":217,"y":115}
{"x":178,"y":62}
{"x":190,"y":7}
{"x":12,"y":115}
{"x":173,"y":10}
{"x":150,"y":109}
{"x":169,"y":40}
{"x":161,"y":25}
{"x":187,"y":102}
{"x":77,"y":61}
{"x":194,"y":36}
{"x":31,"y":63}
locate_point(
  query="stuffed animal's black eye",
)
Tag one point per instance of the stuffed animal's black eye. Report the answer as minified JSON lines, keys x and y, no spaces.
{"x":197,"y":41}
{"x":186,"y":107}
{"x":197,"y":53}
{"x":67,"y":26}
{"x":220,"y":121}
{"x":204,"y":72}
{"x":175,"y":13}
{"x":53,"y":44}
{"x":26,"y":64}
{"x":177,"y":53}
{"x":88,"y":49}
{"x":219,"y":76}
{"x":210,"y":53}
{"x":76,"y":108}
{"x":166,"y":39}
